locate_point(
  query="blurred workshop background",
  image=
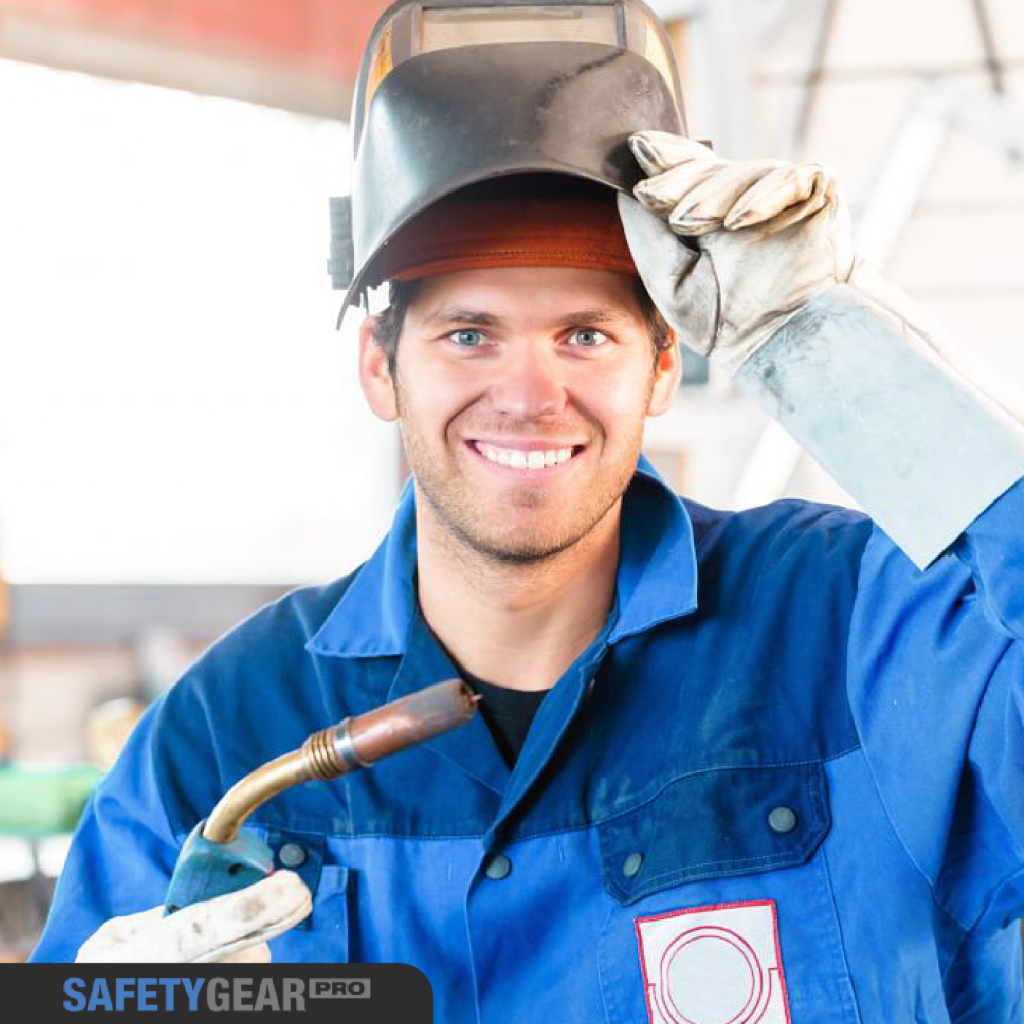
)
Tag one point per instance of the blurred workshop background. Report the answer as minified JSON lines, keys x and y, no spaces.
{"x":182,"y":436}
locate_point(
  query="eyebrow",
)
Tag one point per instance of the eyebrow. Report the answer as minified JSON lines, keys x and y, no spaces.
{"x":609,"y":315}
{"x":597,"y":315}
{"x":450,"y":315}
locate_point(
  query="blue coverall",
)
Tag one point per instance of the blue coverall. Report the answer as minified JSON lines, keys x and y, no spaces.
{"x":782,"y":716}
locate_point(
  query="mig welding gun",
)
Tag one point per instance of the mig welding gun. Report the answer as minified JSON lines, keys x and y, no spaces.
{"x":221,"y":857}
{"x":209,"y":913}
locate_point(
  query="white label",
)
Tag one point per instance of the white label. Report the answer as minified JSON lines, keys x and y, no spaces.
{"x":713,"y":965}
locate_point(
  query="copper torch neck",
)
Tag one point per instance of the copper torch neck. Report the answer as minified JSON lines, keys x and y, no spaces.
{"x":353,"y":743}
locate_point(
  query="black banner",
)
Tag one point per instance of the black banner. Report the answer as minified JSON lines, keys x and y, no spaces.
{"x":353,"y":993}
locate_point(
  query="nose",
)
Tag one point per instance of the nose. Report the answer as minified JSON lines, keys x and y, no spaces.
{"x":529,"y":383}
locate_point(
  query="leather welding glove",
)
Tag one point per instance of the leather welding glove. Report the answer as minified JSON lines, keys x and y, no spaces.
{"x":753,"y":265}
{"x":233,"y":928}
{"x":764,"y":238}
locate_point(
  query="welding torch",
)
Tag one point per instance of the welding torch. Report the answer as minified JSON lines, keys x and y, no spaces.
{"x":220,"y":856}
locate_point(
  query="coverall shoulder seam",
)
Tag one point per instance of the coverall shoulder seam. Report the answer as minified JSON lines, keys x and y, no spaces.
{"x":842,"y":753}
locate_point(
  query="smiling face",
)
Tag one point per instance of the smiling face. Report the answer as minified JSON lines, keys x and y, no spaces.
{"x":521,"y":393}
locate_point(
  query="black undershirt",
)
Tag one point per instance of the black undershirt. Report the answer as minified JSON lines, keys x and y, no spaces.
{"x":508,"y":713}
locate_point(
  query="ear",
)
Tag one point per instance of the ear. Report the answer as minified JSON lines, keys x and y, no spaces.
{"x":374,"y":377}
{"x":667,"y":372}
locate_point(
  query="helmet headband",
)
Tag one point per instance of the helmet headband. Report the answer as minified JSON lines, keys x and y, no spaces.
{"x":472,"y":233}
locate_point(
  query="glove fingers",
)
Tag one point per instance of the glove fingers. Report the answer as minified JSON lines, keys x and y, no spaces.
{"x":785,"y":188}
{"x":786,"y":219}
{"x":662,"y":193}
{"x":209,"y":930}
{"x":707,"y":205}
{"x":658,"y":151}
{"x":109,"y":943}
{"x":230,"y":925}
{"x":822,"y":197}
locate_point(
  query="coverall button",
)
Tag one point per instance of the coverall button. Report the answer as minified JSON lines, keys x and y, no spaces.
{"x":291,"y":855}
{"x":782,"y":820}
{"x":498,"y":867}
{"x":631,"y":865}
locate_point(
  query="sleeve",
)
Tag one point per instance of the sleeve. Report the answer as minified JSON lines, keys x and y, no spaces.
{"x":127,"y":841}
{"x":936,"y":657}
{"x":936,"y":678}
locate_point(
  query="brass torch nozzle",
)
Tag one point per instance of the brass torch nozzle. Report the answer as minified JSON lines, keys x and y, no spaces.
{"x":353,"y":743}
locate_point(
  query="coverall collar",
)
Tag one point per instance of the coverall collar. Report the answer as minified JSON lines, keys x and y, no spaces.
{"x":657,"y":575}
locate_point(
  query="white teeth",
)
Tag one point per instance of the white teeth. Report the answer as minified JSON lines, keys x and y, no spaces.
{"x":518,"y":459}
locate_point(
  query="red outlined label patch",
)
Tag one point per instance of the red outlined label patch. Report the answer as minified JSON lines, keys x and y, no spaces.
{"x":714,"y":965}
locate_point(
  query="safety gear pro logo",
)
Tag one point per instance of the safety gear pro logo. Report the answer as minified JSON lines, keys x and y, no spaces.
{"x":278,"y":995}
{"x":354,"y":993}
{"x":718,"y":964}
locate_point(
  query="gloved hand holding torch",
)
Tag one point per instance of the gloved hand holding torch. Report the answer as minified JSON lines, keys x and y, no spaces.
{"x":233,"y":928}
{"x":225,"y":900}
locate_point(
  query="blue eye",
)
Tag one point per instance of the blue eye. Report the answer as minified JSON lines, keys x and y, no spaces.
{"x":588,"y":337}
{"x":467,"y":337}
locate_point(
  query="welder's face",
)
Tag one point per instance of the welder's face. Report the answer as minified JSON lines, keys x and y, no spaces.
{"x":521,"y":394}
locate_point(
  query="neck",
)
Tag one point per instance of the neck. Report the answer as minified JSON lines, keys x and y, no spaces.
{"x":519,"y":626}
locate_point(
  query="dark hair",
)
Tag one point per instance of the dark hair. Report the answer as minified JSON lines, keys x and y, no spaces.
{"x":388,"y":328}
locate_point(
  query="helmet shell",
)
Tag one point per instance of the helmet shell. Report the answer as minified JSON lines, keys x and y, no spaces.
{"x":442,"y":120}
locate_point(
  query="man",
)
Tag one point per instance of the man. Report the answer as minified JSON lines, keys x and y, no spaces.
{"x":752,"y":767}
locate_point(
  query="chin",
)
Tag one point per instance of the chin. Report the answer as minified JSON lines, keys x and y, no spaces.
{"x":521,"y":549}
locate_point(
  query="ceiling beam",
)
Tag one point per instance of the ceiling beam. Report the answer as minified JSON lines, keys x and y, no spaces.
{"x":301,"y":55}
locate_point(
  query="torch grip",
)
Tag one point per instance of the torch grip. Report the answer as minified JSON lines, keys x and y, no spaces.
{"x":354,"y":743}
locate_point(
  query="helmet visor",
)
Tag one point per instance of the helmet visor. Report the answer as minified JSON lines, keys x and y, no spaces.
{"x":414,"y":29}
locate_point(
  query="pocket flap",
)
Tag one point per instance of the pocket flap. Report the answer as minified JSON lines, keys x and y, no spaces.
{"x":724,"y":821}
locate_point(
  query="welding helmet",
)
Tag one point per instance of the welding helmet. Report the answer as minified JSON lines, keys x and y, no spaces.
{"x":452,"y":93}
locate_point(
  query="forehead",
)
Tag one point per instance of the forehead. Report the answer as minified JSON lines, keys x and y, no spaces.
{"x":528,"y":295}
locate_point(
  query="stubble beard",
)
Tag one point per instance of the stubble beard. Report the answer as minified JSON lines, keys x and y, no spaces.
{"x":463,"y":517}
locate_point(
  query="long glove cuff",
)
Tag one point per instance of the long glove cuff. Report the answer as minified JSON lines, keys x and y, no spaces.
{"x":868,"y":393}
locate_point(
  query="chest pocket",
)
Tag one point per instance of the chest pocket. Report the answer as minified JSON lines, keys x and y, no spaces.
{"x":715,"y":823}
{"x":323,"y":937}
{"x":721,"y":908}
